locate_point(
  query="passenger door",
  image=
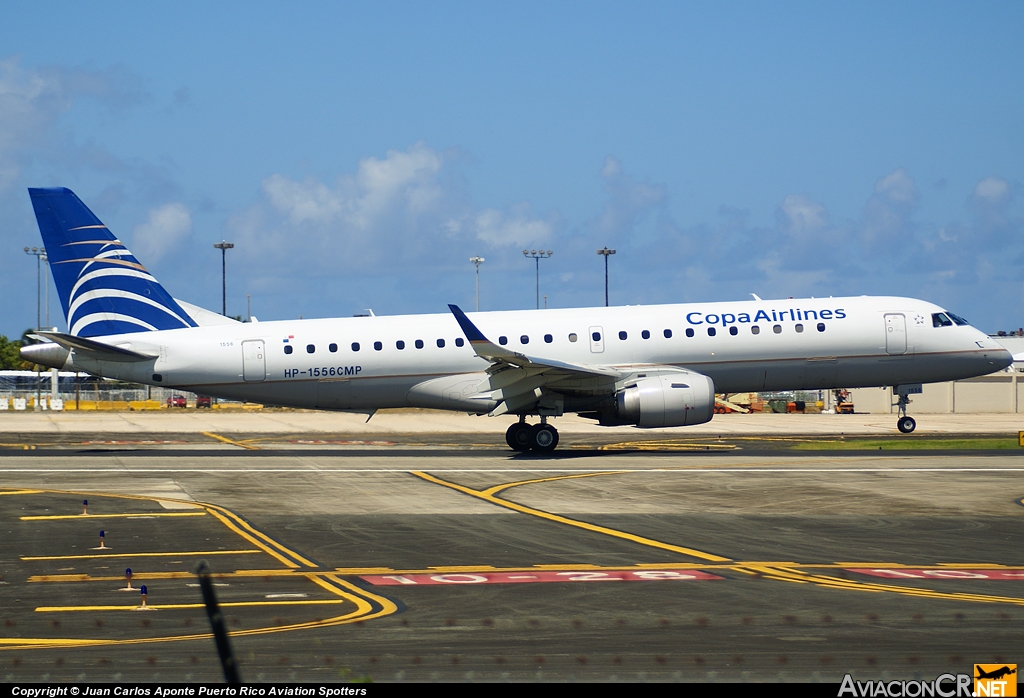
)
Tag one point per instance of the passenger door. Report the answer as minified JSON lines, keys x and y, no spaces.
{"x":597,"y":340}
{"x":254,"y":362}
{"x":895,"y":333}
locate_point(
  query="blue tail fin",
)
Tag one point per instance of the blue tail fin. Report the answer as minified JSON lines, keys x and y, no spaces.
{"x":103,"y":288}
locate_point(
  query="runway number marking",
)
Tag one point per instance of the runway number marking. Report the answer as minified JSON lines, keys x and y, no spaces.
{"x":902,"y":573}
{"x":677,"y":575}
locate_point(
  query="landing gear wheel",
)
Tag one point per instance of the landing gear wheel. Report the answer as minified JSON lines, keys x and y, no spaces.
{"x":518,"y":436}
{"x":906,"y":424}
{"x":543,"y":438}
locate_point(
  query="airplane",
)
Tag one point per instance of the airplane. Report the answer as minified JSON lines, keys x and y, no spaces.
{"x":645,"y":366}
{"x":994,"y":674}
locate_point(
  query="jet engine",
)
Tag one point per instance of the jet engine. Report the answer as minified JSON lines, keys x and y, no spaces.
{"x":675,"y":399}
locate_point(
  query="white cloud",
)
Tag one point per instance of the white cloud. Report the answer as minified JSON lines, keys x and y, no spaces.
{"x":898,"y":187}
{"x":166,"y":227}
{"x":628,"y":201}
{"x":407,"y":180}
{"x":992,"y":189}
{"x":516,"y":227}
{"x":405,"y":207}
{"x":800,"y":215}
{"x":33,"y":100}
{"x":888,"y":211}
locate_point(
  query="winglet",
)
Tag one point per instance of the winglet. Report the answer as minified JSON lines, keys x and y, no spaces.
{"x":473,"y":334}
{"x":483,"y":347}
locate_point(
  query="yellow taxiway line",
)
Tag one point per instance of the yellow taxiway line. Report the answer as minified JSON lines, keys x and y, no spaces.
{"x":224,"y":439}
{"x":187,"y":553}
{"x":168,"y":606}
{"x":649,"y":542}
{"x":139,"y":515}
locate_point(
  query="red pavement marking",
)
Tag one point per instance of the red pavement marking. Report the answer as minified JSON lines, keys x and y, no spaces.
{"x":941,"y":574}
{"x":532,"y":577}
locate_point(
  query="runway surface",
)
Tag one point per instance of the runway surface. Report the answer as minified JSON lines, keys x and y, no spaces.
{"x":436,"y":560}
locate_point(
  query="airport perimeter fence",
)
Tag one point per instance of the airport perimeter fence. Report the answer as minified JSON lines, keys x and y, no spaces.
{"x":23,"y":390}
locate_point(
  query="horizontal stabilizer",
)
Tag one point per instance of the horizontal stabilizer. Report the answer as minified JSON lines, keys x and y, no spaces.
{"x":204,"y":317}
{"x":91,"y":349}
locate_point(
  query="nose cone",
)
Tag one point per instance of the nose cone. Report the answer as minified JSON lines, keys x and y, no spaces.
{"x":996,"y":357}
{"x":1001,"y":359}
{"x":46,"y":354}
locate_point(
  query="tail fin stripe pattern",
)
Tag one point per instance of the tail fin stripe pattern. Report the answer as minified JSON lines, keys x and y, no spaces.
{"x":110,"y":317}
{"x":117,"y":273}
{"x":105,"y":291}
{"x":84,"y":298}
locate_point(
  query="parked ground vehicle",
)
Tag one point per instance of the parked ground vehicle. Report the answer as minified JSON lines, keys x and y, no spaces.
{"x":204,"y":401}
{"x":176,"y":401}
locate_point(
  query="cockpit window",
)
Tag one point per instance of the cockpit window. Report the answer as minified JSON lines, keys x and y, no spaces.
{"x":958,"y":320}
{"x":940,"y":320}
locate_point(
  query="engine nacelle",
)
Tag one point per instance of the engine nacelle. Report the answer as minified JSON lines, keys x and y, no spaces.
{"x":46,"y":354}
{"x":676,"y":399}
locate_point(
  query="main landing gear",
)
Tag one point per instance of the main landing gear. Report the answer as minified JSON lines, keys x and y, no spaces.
{"x":905,"y":424}
{"x":542,"y":437}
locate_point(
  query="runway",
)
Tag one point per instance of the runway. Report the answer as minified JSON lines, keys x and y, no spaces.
{"x":443,"y":561}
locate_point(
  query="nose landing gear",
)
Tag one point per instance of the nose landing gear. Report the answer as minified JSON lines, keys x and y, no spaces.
{"x":523,"y":437}
{"x":903,"y":392}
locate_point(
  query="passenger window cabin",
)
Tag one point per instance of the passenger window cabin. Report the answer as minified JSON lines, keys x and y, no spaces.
{"x":377,"y":346}
{"x":400,"y":344}
{"x":646,"y":334}
{"x":355,"y":346}
{"x":459,"y":341}
{"x":440,"y":344}
{"x":332,"y":347}
{"x":668,"y":334}
{"x":689,"y":331}
{"x":419,"y":343}
{"x":548,"y":339}
{"x":310,"y":348}
{"x":623,"y":335}
{"x":288,"y":349}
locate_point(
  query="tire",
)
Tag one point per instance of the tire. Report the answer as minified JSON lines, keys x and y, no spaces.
{"x":518,"y":436}
{"x":543,"y":438}
{"x":906,"y":424}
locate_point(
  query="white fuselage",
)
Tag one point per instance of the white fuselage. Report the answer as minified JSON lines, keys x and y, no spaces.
{"x":333,"y":363}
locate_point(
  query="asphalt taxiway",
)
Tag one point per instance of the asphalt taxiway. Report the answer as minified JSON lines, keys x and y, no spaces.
{"x":437,"y":560}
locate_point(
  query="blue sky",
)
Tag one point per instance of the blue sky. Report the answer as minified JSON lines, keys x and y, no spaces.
{"x":358,"y":154}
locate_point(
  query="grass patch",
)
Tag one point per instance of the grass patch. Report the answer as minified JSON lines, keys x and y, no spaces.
{"x":910,"y":443}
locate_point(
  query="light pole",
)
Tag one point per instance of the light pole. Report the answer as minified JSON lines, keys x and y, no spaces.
{"x":606,"y":253}
{"x":477,"y":261}
{"x":40,"y":255}
{"x":223,"y":247}
{"x":537,"y":255}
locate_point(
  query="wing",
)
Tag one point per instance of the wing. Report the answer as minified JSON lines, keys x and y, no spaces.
{"x":519,"y":381}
